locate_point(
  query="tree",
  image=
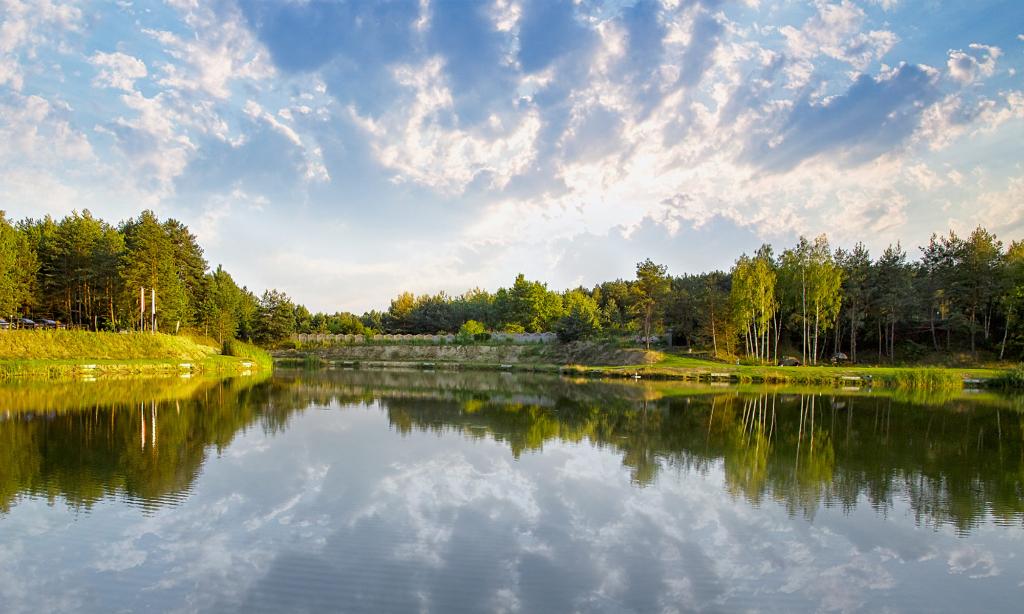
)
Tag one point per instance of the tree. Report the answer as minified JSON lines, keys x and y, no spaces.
{"x":811,"y":288}
{"x":248,"y":314}
{"x":978,"y":276}
{"x":940,"y":283}
{"x":754,"y":302}
{"x":893,"y":282}
{"x":303,"y":319}
{"x":471,"y":330}
{"x":616,"y":302}
{"x":189,"y":265}
{"x":18,"y":267}
{"x":530,"y":305}
{"x":793,"y":270}
{"x":220,"y":309}
{"x":581,"y":319}
{"x":649,"y":291}
{"x":824,"y":289}
{"x":856,"y":289}
{"x":275,"y":319}
{"x":1013,"y":297}
{"x":713,"y":298}
{"x":149,"y":263}
{"x":398,"y":317}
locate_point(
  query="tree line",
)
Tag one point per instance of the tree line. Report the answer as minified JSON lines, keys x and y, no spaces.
{"x":960,"y":294}
{"x":813,"y":301}
{"x":87,"y":273}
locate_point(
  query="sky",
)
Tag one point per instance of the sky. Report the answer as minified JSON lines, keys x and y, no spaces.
{"x":346,"y":151}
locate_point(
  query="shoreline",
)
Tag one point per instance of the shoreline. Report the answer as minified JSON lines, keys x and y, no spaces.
{"x":43,"y":369}
{"x":924,"y":378}
{"x":53,"y":355}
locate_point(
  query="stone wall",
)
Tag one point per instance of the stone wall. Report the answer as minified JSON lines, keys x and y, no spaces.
{"x":328,"y":339}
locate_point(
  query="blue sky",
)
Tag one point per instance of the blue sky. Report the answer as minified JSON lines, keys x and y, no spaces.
{"x":343,"y":151}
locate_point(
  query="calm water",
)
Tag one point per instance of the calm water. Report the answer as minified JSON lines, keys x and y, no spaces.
{"x":382,"y":491}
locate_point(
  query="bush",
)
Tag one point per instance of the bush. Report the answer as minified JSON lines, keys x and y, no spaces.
{"x":241,"y":349}
{"x":575,"y":327}
{"x":470,"y":331}
{"x":1014,"y":378}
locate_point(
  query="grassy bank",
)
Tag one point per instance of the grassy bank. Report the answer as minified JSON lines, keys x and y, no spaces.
{"x":908,"y":378}
{"x":595,"y":360}
{"x":62,"y":353}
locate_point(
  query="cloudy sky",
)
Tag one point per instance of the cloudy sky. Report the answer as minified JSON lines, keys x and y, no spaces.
{"x":343,"y":151}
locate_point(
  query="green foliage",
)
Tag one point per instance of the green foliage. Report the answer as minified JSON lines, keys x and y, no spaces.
{"x":221,"y":310}
{"x":649,"y":292}
{"x":856,"y":290}
{"x":1013,"y":378}
{"x":153,"y":260}
{"x":963,"y":293}
{"x":581,"y":320}
{"x":531,"y":305}
{"x":470,"y":331}
{"x":18,"y":266}
{"x":84,"y":345}
{"x":275,"y":318}
{"x":754,"y":302}
{"x":925,"y":379}
{"x":248,"y":351}
{"x":472,"y":328}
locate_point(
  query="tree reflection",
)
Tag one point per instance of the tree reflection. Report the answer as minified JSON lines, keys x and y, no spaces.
{"x":957,"y":462}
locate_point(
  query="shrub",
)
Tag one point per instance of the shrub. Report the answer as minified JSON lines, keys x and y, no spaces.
{"x":241,"y":349}
{"x":471,"y":330}
{"x":1014,"y":378}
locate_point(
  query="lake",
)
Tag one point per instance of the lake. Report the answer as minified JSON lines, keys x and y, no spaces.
{"x":378,"y":491}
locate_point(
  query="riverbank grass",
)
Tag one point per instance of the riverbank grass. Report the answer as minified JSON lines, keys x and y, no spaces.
{"x":63,"y":353}
{"x":671,"y":366}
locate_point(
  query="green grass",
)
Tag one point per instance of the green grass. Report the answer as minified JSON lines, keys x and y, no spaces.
{"x":603,"y":360}
{"x":910,"y":378}
{"x":250,"y":352}
{"x":1013,"y":378}
{"x":62,"y":353}
{"x":82,"y":345}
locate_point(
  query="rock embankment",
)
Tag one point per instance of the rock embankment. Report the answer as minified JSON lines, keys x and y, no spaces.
{"x":499,"y":354}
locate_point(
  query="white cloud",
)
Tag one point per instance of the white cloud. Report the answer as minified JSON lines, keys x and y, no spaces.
{"x":835,"y":31}
{"x":427,"y":495}
{"x":968,"y":66}
{"x":410,"y":140}
{"x":24,"y":26}
{"x":973,"y":561}
{"x":155,"y":141}
{"x":117,"y":70}
{"x":34,"y":130}
{"x":953,"y":118}
{"x":314,"y":169}
{"x":1003,"y":210}
{"x":223,"y":50}
{"x":220,"y":207}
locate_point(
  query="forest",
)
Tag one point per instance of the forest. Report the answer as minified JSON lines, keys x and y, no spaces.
{"x":953,"y":296}
{"x":86,"y":273}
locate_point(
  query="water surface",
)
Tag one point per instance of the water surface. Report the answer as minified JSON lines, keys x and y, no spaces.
{"x":419,"y":491}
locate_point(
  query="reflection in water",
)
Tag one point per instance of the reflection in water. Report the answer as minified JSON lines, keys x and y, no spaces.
{"x":955,"y":463}
{"x":144,"y":439}
{"x":383,"y":491}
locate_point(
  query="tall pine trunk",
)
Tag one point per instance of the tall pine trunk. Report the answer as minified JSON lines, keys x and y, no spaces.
{"x":1006,"y":332}
{"x":803,"y":307}
{"x":853,"y":333}
{"x":973,"y":315}
{"x":931,"y":323}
